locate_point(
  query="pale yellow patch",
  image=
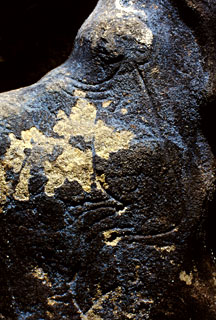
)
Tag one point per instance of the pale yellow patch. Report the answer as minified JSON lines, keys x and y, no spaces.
{"x":73,"y":164}
{"x":155,"y":70}
{"x":51,"y":301}
{"x":102,"y":181}
{"x":79,"y":93}
{"x":144,"y":119}
{"x":106,"y":104}
{"x":102,"y":178}
{"x":124,"y":111}
{"x":165,"y":248}
{"x":107,"y":235}
{"x":187,"y":278}
{"x":4,"y":190}
{"x":15,"y":155}
{"x":114,"y":242}
{"x":39,"y":274}
{"x":34,"y":148}
{"x":22,"y":192}
{"x":147,"y":301}
{"x":82,"y":121}
{"x":39,"y":146}
{"x":107,"y":140}
{"x":121,"y":212}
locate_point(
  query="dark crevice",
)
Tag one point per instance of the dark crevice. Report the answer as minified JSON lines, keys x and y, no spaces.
{"x":188,"y":14}
{"x":207,"y":113}
{"x":208,"y":126}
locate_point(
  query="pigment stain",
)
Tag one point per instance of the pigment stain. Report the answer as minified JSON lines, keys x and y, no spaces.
{"x":187,"y":278}
{"x":107,"y":236}
{"x":3,"y":187}
{"x":35,"y":149}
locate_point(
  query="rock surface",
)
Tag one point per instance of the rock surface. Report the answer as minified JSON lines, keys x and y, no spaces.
{"x":106,"y":173}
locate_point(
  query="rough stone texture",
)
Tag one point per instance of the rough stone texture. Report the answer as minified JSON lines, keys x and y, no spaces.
{"x":106,"y":173}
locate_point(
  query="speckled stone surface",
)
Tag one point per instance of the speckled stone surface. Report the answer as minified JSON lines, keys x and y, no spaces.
{"x":106,"y":173}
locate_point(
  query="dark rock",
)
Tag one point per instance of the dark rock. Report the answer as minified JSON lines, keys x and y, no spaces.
{"x":107,"y":172}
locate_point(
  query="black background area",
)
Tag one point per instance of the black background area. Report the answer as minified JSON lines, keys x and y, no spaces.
{"x":36,"y":36}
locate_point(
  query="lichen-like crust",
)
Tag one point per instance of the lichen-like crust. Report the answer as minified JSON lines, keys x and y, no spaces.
{"x":35,"y":149}
{"x":3,"y":187}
